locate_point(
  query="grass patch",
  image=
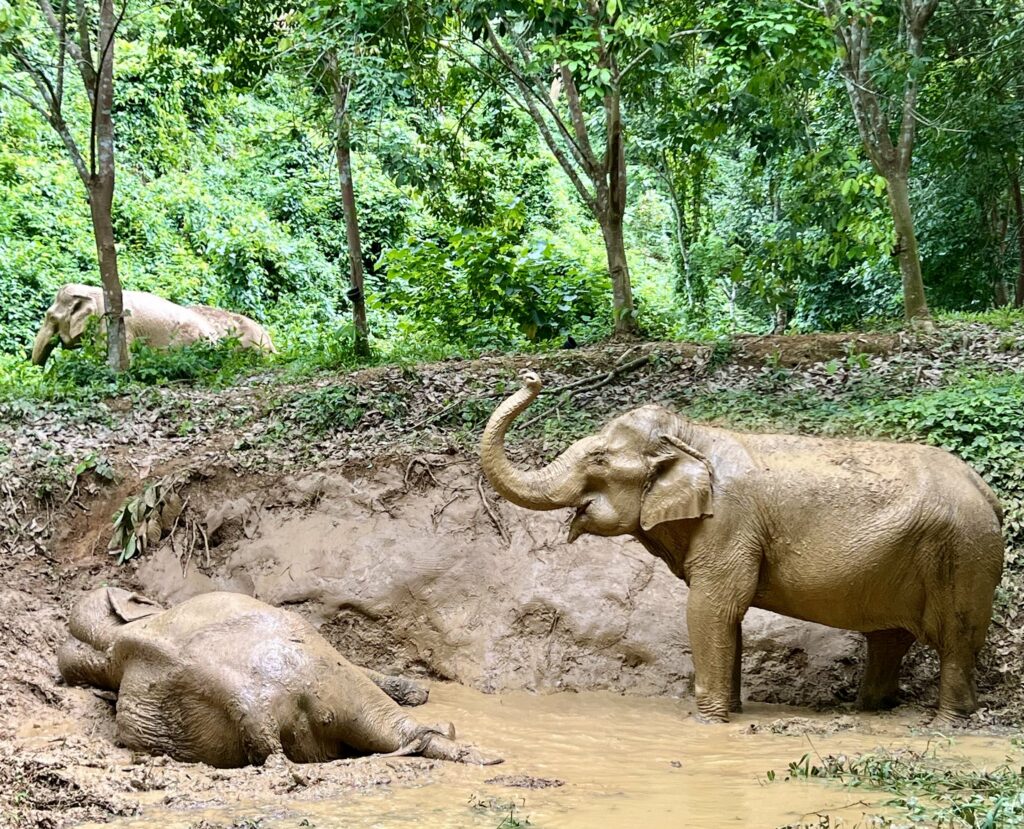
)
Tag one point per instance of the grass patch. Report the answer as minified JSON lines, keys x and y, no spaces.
{"x":925,"y":789}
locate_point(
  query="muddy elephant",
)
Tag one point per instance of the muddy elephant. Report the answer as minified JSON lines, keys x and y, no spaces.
{"x":228,"y":680}
{"x":899,"y":541}
{"x":157,"y":321}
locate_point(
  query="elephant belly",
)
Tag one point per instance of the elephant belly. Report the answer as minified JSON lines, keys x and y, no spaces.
{"x":861,"y":601}
{"x":161,"y":713}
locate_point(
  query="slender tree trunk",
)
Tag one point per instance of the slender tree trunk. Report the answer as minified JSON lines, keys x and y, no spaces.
{"x":343,"y":154}
{"x":101,"y":190}
{"x":1018,"y":204}
{"x":613,"y":219}
{"x":100,"y":202}
{"x":622,"y":292}
{"x":781,"y":319}
{"x":915,"y":307}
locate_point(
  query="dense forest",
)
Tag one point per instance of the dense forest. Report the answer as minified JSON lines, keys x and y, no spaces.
{"x":520,"y":174}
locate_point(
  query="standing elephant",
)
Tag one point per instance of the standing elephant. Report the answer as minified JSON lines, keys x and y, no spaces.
{"x":896,"y":540}
{"x":157,"y":321}
{"x":228,"y":680}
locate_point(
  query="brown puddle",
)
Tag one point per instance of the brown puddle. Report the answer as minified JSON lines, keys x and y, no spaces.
{"x":625,"y":762}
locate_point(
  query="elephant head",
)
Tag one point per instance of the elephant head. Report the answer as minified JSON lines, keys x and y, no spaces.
{"x":67,"y":319}
{"x":94,"y":623}
{"x":637,"y":472}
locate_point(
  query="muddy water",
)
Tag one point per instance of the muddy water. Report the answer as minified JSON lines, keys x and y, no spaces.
{"x":625,"y":762}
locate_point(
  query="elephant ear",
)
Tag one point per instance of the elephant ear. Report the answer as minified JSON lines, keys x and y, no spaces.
{"x":680,"y":485}
{"x":129,"y":607}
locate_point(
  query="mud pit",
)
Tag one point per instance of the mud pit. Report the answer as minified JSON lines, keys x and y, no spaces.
{"x":415,"y":567}
{"x":600,"y":759}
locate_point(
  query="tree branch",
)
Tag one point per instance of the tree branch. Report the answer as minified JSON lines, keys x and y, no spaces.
{"x":572,"y":97}
{"x":83,"y":52}
{"x":28,"y":99}
{"x":539,"y":120}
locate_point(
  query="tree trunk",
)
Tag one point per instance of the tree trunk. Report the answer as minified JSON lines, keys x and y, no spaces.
{"x":781,"y":319}
{"x":101,"y":190}
{"x":915,"y":307}
{"x":614,"y":211}
{"x":1018,"y":204}
{"x":622,"y":291}
{"x":100,"y":201}
{"x":348,"y":198}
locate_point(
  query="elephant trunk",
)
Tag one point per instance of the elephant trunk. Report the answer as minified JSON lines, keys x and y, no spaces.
{"x":45,"y":343}
{"x":556,"y":485}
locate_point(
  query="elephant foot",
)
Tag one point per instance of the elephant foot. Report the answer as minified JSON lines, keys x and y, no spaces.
{"x":950,"y":719}
{"x":736,"y":707}
{"x":881,"y":702}
{"x":437,"y":747}
{"x":403,"y":691}
{"x":710,"y":719}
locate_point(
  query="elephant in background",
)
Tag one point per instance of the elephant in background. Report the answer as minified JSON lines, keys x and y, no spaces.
{"x":228,"y":680}
{"x":899,"y":541}
{"x":150,"y":318}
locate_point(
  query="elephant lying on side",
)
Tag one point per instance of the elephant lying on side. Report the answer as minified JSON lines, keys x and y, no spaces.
{"x":148,"y":317}
{"x":896,"y":540}
{"x":228,"y":680}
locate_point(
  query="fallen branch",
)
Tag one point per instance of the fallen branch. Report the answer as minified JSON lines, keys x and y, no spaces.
{"x":587,"y":384}
{"x":498,"y":524}
{"x":583,"y":384}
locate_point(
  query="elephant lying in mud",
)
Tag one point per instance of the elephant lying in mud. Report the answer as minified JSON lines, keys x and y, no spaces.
{"x":898,"y":541}
{"x":228,"y":680}
{"x":155,"y":320}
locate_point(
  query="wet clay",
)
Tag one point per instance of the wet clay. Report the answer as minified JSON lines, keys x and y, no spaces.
{"x":413,"y":573}
{"x":620,"y":761}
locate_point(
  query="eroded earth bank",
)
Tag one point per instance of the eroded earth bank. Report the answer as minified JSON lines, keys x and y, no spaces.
{"x":357,"y":502}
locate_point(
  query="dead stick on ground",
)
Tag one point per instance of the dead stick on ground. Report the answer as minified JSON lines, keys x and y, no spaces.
{"x":575,"y":384}
{"x":490,"y":511}
{"x":435,"y":516}
{"x":174,"y":526}
{"x":587,"y":384}
{"x":206,"y":542}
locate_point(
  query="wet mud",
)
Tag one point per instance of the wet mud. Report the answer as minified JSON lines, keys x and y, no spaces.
{"x":602,"y":759}
{"x":572,"y":662}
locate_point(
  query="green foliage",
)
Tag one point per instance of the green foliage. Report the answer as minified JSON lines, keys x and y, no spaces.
{"x":211,"y":364}
{"x":924,"y":788}
{"x":326,"y":409}
{"x":142,"y":520}
{"x":485,"y":287}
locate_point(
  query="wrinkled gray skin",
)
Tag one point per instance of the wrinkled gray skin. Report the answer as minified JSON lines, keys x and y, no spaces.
{"x":150,"y":318}
{"x":228,"y":680}
{"x":899,"y":541}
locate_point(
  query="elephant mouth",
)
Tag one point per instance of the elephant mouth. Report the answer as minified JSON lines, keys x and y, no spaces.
{"x":579,"y":516}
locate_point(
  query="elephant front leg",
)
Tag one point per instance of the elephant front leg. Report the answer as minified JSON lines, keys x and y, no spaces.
{"x":715,"y":641}
{"x":736,"y":700}
{"x":880,"y":685}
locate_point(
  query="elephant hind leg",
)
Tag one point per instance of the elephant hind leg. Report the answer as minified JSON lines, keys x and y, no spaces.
{"x":958,"y":697}
{"x":401,"y":690}
{"x":736,"y":701}
{"x":879,"y":687}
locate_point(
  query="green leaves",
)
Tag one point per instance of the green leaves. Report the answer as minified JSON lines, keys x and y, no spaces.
{"x":142,"y":520}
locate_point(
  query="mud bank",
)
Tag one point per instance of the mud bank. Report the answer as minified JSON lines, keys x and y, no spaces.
{"x":419,"y":568}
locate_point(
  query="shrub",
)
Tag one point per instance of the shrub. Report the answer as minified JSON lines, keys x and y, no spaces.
{"x":483,"y":287}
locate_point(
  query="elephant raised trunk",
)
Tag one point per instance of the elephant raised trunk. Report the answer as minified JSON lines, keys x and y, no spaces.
{"x":556,"y":485}
{"x":45,"y":343}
